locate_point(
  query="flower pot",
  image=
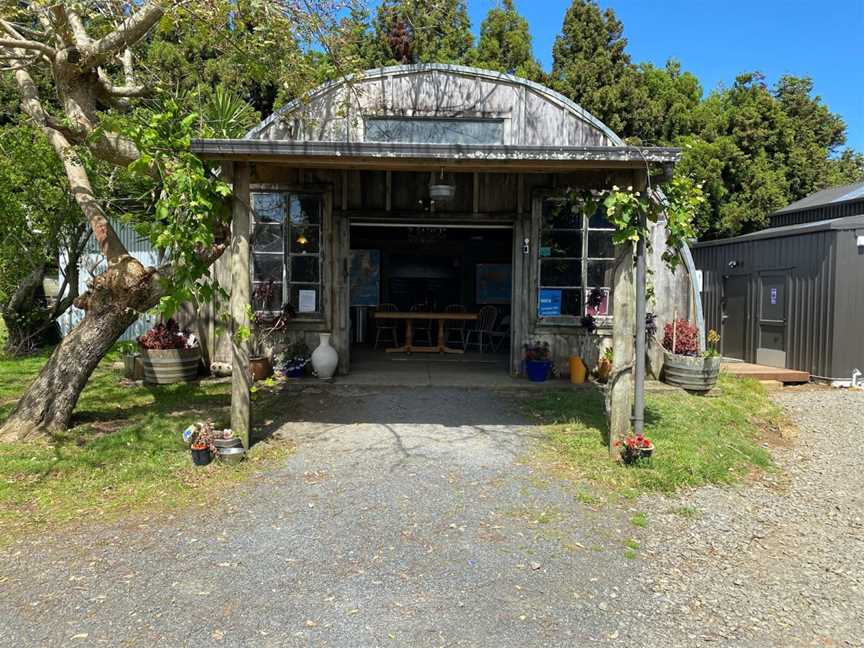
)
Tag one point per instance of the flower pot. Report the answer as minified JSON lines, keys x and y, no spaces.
{"x":166,"y":366}
{"x":201,"y":456}
{"x":324,"y":358}
{"x":261,"y":368}
{"x":646,"y":453}
{"x":696,"y":374}
{"x":296,"y":372}
{"x":133,"y":369}
{"x":538,"y":370}
{"x":604,"y":369}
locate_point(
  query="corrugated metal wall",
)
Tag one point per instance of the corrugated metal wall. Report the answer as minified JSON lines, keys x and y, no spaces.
{"x":93,"y":263}
{"x":849,"y":305}
{"x":808,"y":263}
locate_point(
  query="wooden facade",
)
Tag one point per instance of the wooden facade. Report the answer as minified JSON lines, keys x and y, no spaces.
{"x":505,"y":144}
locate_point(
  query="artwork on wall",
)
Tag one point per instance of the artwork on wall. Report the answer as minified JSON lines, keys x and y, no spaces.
{"x":494,"y":283}
{"x":365,"y":277}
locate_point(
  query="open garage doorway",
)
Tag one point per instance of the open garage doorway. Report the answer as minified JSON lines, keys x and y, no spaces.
{"x":458,"y":275}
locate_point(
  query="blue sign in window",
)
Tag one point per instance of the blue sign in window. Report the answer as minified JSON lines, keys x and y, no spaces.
{"x":549,"y":303}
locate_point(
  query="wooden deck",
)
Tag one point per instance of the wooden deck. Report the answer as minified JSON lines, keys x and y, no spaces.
{"x":761,"y":372}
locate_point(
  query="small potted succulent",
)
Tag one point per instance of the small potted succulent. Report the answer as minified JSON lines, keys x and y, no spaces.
{"x":634,"y":447}
{"x":202,"y":445}
{"x":683,"y":365}
{"x":538,"y":361}
{"x":168,"y":354}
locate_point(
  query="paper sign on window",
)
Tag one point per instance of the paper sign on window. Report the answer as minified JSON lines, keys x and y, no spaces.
{"x":306,"y":301}
{"x":549,"y":303}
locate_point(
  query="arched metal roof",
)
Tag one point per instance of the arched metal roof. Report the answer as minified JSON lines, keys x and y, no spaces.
{"x":547,"y":93}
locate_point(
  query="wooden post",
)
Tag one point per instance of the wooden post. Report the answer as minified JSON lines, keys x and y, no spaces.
{"x":241,"y":300}
{"x":621,"y":379}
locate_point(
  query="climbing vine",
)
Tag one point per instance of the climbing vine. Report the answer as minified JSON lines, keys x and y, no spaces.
{"x":679,"y":202}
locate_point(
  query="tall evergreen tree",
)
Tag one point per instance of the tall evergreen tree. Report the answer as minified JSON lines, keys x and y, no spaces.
{"x":413,"y":31}
{"x":590,"y":65}
{"x":505,"y":43}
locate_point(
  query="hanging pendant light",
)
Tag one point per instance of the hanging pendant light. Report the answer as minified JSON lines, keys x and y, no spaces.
{"x":439,"y":190}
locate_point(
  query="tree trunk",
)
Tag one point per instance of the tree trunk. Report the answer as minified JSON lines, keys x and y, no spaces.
{"x":47,"y":405}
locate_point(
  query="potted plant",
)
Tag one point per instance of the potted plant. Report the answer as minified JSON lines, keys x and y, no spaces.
{"x":292,"y":362}
{"x":538,"y":362}
{"x":133,"y":369}
{"x":168,"y":354}
{"x":634,"y":447}
{"x":683,"y":365}
{"x":265,"y":326}
{"x":604,"y":365}
{"x":202,"y":445}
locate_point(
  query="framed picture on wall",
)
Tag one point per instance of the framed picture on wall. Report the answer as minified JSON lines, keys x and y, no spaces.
{"x":494,"y":283}
{"x":365,"y":274}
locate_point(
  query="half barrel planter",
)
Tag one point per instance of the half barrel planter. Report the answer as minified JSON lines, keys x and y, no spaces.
{"x":692,"y":373}
{"x":167,"y":366}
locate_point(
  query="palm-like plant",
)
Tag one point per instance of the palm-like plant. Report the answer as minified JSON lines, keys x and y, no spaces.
{"x":226,"y":115}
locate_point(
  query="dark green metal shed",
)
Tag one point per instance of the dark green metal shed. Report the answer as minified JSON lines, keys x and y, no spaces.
{"x":791,"y":296}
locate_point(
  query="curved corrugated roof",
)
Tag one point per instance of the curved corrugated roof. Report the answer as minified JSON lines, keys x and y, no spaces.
{"x":463,"y":70}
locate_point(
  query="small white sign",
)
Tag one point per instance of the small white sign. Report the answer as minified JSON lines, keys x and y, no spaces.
{"x":306,"y":301}
{"x":698,"y":277}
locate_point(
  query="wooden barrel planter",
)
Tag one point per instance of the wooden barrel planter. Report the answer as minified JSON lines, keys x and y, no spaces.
{"x":166,"y":366}
{"x":696,"y":374}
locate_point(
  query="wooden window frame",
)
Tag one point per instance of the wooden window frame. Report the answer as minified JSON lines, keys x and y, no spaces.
{"x":538,"y":226}
{"x":323,"y":195}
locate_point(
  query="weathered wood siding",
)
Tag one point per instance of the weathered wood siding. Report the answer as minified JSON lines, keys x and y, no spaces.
{"x":511,"y":199}
{"x":532,"y":114}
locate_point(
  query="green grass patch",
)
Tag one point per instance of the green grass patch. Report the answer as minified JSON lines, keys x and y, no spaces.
{"x":630,"y":554}
{"x":632,"y":544}
{"x":123,"y":452}
{"x":699,"y":439}
{"x":687,"y":512}
{"x":640,"y":520}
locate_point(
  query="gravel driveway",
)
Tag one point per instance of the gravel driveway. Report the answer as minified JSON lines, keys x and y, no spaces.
{"x":410,"y":518}
{"x":779,"y":562}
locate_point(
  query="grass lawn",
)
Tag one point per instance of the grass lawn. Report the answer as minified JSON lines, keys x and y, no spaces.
{"x":698,"y":439}
{"x":124,"y":451}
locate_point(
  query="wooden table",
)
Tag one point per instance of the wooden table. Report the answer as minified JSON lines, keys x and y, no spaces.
{"x":409,"y":318}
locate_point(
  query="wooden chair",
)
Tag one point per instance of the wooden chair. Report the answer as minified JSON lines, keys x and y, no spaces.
{"x":422,"y":327}
{"x":500,"y":333}
{"x":454,"y":327}
{"x":390,"y":327}
{"x":485,"y":325}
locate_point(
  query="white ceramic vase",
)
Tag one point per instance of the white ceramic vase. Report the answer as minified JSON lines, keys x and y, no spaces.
{"x":324,"y":358}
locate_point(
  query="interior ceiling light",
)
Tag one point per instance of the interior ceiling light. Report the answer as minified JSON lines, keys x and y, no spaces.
{"x":302,"y":240}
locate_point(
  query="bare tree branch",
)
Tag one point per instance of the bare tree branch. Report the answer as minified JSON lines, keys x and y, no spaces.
{"x":129,"y":32}
{"x":30,"y":45}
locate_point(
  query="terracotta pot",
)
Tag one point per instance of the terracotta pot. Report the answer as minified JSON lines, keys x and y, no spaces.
{"x":261,"y":368}
{"x":604,"y":368}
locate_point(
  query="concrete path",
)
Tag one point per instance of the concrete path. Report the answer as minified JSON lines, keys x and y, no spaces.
{"x":405,"y":518}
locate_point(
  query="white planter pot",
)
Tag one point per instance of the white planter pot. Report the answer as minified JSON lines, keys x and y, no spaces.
{"x":324,"y":358}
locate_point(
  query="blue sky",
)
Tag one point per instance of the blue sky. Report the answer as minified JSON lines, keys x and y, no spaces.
{"x":720,"y":39}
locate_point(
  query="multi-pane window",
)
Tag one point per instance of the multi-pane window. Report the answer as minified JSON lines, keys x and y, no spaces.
{"x":286,"y":251}
{"x":576,"y":261}
{"x":428,"y":130}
